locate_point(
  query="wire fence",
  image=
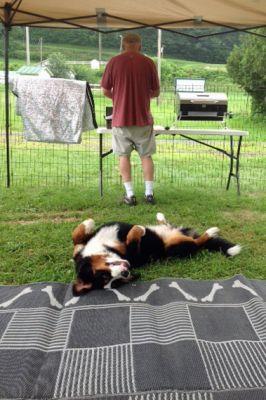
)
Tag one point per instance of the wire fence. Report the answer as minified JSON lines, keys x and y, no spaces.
{"x":177,"y":160}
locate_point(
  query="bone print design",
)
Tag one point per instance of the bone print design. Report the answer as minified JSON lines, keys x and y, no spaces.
{"x":238,"y":284}
{"x":11,"y":301}
{"x":72,"y":301}
{"x":120,"y":296}
{"x":53,"y":301}
{"x":185,"y":294}
{"x":210,"y":296}
{"x":153,"y":288}
{"x":167,"y":325}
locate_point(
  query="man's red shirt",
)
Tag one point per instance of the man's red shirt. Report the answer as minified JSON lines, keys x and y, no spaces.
{"x":132,"y":77}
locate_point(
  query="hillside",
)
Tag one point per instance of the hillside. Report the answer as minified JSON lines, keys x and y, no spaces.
{"x":84,"y":44}
{"x":198,"y":59}
{"x":170,"y":67}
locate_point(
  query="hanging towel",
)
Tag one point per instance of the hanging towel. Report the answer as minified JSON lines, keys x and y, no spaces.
{"x":54,"y":110}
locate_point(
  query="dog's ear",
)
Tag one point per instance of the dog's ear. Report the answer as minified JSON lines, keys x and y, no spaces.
{"x":79,"y":288}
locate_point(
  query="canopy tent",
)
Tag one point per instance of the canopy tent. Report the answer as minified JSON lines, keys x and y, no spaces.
{"x":106,"y":15}
{"x":118,"y":15}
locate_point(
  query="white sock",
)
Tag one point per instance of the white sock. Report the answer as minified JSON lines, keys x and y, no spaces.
{"x":148,"y":188}
{"x":129,"y":189}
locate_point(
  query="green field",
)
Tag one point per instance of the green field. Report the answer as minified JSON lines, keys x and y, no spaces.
{"x":54,"y":187}
{"x":36,"y":225}
{"x":86,"y":53}
{"x":77,"y":53}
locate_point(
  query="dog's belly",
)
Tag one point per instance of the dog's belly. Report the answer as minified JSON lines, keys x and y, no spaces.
{"x":105,"y":237}
{"x":164,"y":231}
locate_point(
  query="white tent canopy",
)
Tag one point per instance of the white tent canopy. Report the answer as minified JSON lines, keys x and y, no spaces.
{"x":104,"y":15}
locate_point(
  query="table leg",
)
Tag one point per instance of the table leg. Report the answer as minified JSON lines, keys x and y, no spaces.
{"x":101,"y":162}
{"x":235,"y":159}
{"x":231,"y":156}
{"x":237,"y":164}
{"x":102,"y":155}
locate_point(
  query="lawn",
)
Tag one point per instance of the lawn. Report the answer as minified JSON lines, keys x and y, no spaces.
{"x":36,"y":225}
{"x":36,"y":222}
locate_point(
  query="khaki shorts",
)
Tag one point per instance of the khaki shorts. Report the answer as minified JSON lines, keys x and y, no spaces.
{"x":129,"y":138}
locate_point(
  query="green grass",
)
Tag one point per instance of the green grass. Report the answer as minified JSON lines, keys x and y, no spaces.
{"x":36,"y":225}
{"x":187,"y":164}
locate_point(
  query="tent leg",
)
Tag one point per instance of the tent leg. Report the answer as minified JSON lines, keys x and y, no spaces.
{"x":6,"y":56}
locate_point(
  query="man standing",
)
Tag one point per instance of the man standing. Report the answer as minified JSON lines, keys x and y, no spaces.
{"x":131,"y":80}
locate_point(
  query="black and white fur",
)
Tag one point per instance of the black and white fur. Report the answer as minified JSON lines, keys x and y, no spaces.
{"x":106,"y":255}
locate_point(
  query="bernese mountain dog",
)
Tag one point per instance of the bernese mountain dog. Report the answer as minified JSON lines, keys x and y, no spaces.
{"x":104,"y":257}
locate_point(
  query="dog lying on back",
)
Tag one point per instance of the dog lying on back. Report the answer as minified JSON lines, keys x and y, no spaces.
{"x":104,"y":257}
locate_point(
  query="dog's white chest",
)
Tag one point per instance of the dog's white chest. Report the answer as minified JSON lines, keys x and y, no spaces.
{"x":107,"y":236}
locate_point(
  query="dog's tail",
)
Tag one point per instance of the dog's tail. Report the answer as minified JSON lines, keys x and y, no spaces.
{"x":222,"y":245}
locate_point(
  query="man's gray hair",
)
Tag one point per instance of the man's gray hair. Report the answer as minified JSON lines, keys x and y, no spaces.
{"x":131,"y":38}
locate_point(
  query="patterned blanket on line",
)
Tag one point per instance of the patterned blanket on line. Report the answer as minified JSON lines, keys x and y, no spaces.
{"x":169,"y":339}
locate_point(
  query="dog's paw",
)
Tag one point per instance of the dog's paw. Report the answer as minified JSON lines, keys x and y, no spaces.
{"x":82,"y":230}
{"x":135,"y":234}
{"x":233,"y":251}
{"x":213,"y":232}
{"x":89,"y":225}
{"x":160,"y":218}
{"x":77,"y":249}
{"x":142,"y":229}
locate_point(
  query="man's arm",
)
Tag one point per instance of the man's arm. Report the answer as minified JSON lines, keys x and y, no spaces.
{"x":155,"y":93}
{"x":107,"y":93}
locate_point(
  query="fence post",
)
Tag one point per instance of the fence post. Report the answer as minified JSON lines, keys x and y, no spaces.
{"x":6,"y":50}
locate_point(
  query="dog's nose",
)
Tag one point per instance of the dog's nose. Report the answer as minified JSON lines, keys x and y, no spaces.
{"x":125,"y":273}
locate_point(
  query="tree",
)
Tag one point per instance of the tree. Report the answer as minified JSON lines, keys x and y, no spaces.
{"x":84,"y":73}
{"x":58,"y":66}
{"x":213,"y":49}
{"x":246,"y":65}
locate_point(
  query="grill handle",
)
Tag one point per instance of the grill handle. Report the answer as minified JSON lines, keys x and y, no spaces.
{"x":205,"y":101}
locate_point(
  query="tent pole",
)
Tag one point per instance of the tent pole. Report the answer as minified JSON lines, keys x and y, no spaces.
{"x":159,"y":53}
{"x":6,"y":56}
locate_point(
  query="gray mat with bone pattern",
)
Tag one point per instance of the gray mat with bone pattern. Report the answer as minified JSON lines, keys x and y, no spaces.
{"x":169,"y":339}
